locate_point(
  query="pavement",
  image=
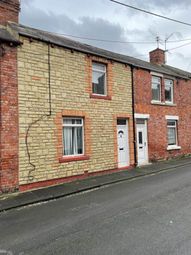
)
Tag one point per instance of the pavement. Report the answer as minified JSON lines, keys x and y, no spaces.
{"x":20,"y":199}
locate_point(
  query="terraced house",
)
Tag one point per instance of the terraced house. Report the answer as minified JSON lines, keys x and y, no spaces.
{"x":162,"y":110}
{"x":66,"y":108}
{"x":70,"y":110}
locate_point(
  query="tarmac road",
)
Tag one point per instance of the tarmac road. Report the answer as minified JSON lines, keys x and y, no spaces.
{"x":147,"y":215}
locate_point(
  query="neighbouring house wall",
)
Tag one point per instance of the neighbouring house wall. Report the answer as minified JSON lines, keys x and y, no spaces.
{"x":8,"y":119}
{"x":157,"y":124}
{"x":71,"y":96}
{"x":9,"y":10}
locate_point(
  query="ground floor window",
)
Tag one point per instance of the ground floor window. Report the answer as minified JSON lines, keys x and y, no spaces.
{"x":73,"y":136}
{"x":172,"y":132}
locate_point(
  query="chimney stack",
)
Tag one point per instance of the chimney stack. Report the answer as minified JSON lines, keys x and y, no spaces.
{"x":157,"y":56}
{"x":9,"y":11}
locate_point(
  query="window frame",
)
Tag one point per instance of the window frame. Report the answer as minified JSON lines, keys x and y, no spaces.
{"x":105,"y":78}
{"x":160,"y":88}
{"x":172,"y":91}
{"x":176,"y":120}
{"x":73,"y":125}
{"x":176,"y":131}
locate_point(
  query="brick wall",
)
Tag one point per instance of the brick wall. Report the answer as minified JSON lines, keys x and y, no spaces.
{"x":157,"y":56}
{"x":157,"y":124}
{"x":8,"y":120}
{"x":9,"y":10}
{"x":71,"y":94}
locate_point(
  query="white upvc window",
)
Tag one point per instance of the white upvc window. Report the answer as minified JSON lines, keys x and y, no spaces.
{"x":156,"y":89}
{"x":99,"y":86}
{"x":172,"y":132}
{"x":169,"y":91}
{"x":73,"y":136}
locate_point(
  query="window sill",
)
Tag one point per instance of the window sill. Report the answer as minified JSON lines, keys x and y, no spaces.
{"x":169,"y":104}
{"x":100,"y":97}
{"x":162,"y":103}
{"x":73,"y":158}
{"x":173,"y":147}
{"x":157,"y":102}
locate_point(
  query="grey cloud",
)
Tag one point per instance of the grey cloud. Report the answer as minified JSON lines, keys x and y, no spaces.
{"x":159,"y":4}
{"x":164,"y":7}
{"x":85,"y":26}
{"x":181,"y":58}
{"x":169,"y":3}
{"x":99,"y":20}
{"x":47,"y":21}
{"x":100,"y":28}
{"x":26,"y":2}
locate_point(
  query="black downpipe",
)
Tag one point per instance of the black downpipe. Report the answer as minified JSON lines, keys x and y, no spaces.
{"x":49,"y":82}
{"x":133,"y":112}
{"x":30,"y":173}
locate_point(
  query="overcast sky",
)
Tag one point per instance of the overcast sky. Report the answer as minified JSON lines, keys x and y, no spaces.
{"x":103,"y":19}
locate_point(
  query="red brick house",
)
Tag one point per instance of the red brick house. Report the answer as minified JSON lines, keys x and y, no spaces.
{"x":162,"y":110}
{"x":70,"y":110}
{"x":9,"y":138}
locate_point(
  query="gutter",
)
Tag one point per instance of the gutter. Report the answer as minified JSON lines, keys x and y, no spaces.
{"x":10,"y":41}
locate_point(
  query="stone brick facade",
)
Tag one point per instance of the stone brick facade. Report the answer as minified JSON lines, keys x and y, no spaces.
{"x":157,"y":123}
{"x":70,"y":80}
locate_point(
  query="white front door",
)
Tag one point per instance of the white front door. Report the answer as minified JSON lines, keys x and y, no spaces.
{"x":142,"y":144}
{"x":123,"y":143}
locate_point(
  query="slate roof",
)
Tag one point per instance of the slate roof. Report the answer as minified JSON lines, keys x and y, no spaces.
{"x":85,"y":48}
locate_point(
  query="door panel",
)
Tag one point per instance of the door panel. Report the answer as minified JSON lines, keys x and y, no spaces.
{"x":142,"y":145}
{"x":123,"y":145}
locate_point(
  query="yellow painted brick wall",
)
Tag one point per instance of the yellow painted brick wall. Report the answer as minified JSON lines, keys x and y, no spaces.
{"x":69,"y":83}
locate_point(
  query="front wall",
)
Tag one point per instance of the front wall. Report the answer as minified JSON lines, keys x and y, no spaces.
{"x":157,"y":124}
{"x":70,"y":83}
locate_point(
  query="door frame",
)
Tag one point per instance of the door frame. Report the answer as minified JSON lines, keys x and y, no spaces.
{"x":144,"y":117}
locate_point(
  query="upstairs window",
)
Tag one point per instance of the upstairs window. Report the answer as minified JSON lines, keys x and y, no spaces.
{"x":168,"y":91}
{"x":73,"y":136}
{"x":156,"y":88}
{"x":172,"y":132}
{"x":99,"y":79}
